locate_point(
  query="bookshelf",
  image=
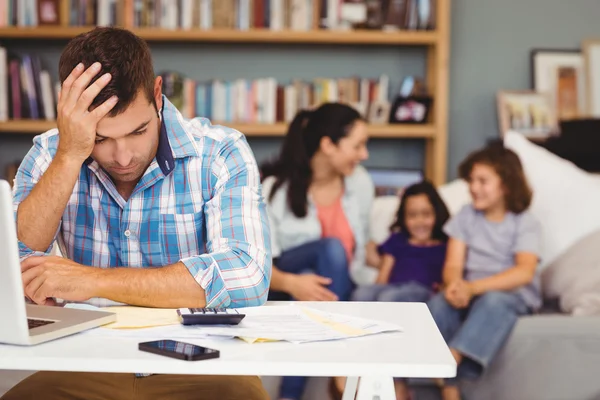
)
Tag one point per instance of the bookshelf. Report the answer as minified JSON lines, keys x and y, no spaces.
{"x":436,"y":42}
{"x":359,"y":37}
{"x":261,"y":130}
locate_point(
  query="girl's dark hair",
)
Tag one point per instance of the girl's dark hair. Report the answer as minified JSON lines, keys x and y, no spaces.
{"x":303,"y":139}
{"x":508,"y":166}
{"x":439,"y":207}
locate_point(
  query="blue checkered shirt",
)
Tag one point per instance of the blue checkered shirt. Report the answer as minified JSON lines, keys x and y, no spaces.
{"x":199,"y":202}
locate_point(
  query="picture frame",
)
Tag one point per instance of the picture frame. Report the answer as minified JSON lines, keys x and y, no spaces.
{"x":561,"y":73}
{"x":393,"y":181}
{"x":527,"y":112}
{"x":591,"y":52}
{"x":410,"y":110}
{"x":379,"y":112}
{"x":48,"y":12}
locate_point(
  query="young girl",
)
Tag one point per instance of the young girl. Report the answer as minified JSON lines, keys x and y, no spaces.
{"x":413,"y":255}
{"x":490,"y":271}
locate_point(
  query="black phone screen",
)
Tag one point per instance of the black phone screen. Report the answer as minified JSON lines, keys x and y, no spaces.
{"x":180,"y":350}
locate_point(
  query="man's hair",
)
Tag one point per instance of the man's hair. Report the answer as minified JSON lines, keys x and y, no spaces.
{"x":121,"y":53}
{"x":507,"y":165}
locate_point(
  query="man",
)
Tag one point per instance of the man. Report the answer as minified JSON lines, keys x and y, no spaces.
{"x":150,"y":209}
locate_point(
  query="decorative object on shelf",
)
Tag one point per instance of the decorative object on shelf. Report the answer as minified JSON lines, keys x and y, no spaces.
{"x":410,"y":110}
{"x":412,"y":86}
{"x":379,"y":112}
{"x":527,"y":112}
{"x":48,"y":12}
{"x":561,"y":74}
{"x":591,"y":51}
{"x":353,"y":14}
{"x":412,"y":104}
{"x":374,"y":14}
{"x":392,"y":182}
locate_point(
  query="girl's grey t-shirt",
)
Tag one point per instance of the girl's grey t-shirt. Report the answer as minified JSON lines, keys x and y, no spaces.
{"x":492,"y":246}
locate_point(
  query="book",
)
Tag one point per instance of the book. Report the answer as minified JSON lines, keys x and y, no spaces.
{"x":4,"y":109}
{"x":223,"y":14}
{"x":395,"y":17}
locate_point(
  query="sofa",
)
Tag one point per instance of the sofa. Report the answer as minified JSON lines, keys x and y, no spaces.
{"x":549,"y":356}
{"x":552,"y":355}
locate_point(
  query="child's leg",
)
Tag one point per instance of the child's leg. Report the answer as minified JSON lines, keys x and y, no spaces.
{"x":407,"y":292}
{"x":448,"y":320}
{"x":401,"y":389}
{"x":446,"y":317}
{"x":450,"y":393}
{"x":368,"y":292}
{"x":489,"y":323}
{"x":292,"y":387}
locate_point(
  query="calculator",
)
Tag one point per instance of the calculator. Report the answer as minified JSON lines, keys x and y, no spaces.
{"x":209,"y":316}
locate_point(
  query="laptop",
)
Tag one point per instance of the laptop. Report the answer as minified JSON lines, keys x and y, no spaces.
{"x":26,"y":324}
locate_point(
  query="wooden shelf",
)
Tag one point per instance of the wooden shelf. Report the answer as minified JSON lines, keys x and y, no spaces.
{"x":261,"y":130}
{"x":364,"y":37}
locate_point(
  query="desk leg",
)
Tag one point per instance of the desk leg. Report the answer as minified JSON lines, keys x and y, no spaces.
{"x":350,"y":388}
{"x":372,"y":388}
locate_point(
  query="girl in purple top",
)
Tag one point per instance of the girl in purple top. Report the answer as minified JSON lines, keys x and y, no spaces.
{"x":413,"y":255}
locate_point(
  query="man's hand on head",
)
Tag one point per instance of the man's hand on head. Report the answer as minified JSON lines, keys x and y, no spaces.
{"x":76,"y":123}
{"x":46,"y":278}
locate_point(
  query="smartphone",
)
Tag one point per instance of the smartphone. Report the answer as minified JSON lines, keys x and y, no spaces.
{"x":179,"y":350}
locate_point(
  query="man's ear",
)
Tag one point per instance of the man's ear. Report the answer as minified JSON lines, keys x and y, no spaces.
{"x":158,"y":92}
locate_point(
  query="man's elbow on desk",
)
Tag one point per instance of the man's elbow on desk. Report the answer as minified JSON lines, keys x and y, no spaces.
{"x":232,"y":281}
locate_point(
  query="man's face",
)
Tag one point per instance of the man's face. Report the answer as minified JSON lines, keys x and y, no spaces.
{"x":127,"y":143}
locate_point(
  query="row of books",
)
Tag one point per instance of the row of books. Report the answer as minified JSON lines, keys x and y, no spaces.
{"x":26,"y":88}
{"x":27,"y":92}
{"x":267,"y":101}
{"x":299,"y":15}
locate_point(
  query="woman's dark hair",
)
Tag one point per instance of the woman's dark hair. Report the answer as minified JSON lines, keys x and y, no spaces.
{"x":439,"y":207}
{"x":303,"y":139}
{"x":508,"y":166}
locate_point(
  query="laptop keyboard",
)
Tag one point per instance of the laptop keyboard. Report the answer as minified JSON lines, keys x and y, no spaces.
{"x":36,"y":323}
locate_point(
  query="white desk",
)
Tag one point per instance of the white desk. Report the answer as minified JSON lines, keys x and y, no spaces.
{"x":419,"y":351}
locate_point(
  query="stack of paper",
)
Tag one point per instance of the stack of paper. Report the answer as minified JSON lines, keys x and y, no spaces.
{"x":291,"y":323}
{"x":298,"y":325}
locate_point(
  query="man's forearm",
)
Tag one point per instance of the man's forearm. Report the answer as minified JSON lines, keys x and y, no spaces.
{"x":39,"y":214}
{"x":168,"y":287}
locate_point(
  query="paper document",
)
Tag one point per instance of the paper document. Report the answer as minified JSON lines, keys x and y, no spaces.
{"x":129,"y":317}
{"x":298,"y":325}
{"x":139,"y":317}
{"x":291,"y":323}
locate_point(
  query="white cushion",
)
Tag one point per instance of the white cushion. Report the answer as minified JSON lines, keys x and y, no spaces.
{"x":574,"y":277}
{"x":455,"y":194}
{"x":383,"y":213}
{"x":566,"y":199}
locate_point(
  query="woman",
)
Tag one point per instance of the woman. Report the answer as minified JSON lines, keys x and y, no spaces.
{"x":319,"y":200}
